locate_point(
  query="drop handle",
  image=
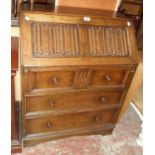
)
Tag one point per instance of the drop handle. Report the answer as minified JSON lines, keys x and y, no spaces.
{"x":102,"y":98}
{"x":55,"y":80}
{"x":49,"y":125}
{"x":51,"y":103}
{"x":108,"y":78}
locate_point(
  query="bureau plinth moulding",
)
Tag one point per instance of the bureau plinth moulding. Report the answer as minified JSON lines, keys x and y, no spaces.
{"x":76,"y":71}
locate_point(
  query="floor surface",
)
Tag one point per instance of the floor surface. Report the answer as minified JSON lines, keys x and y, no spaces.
{"x":121,"y":142}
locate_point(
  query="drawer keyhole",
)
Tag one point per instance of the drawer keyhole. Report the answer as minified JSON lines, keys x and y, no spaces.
{"x":102,"y":98}
{"x":49,"y":125}
{"x":51,"y":103}
{"x":55,"y":80}
{"x":108,"y":78}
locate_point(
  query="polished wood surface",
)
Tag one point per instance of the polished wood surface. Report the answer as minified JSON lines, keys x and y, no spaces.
{"x":68,"y":10}
{"x":97,"y":4}
{"x":76,"y":72}
{"x":14,"y":126}
{"x":52,"y":78}
{"x":116,"y":77}
{"x":121,"y":53}
{"x":68,"y":121}
{"x":60,"y":101}
{"x":105,"y":129}
{"x":15,"y":135}
{"x":55,"y":79}
{"x":46,"y":42}
{"x":136,"y":82}
{"x":14,"y":67}
{"x":14,"y":53}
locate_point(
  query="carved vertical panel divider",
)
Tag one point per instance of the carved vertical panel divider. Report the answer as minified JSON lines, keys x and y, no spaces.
{"x":82,"y":78}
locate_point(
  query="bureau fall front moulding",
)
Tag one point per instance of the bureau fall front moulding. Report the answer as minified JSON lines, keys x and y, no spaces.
{"x":76,"y":70}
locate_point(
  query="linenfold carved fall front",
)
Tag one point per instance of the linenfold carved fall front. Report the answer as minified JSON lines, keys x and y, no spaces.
{"x":63,"y":40}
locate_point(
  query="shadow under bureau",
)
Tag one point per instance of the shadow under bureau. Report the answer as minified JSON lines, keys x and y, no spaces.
{"x":76,"y":70}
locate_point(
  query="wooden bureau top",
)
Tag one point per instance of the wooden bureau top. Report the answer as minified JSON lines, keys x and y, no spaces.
{"x":63,"y":36}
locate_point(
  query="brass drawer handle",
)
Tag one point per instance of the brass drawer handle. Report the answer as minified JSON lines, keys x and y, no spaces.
{"x":103,"y":99}
{"x":55,"y":80}
{"x":49,"y":125}
{"x":51,"y":103}
{"x":108,"y":78}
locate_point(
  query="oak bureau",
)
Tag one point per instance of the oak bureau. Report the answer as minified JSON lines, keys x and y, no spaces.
{"x":76,"y":70}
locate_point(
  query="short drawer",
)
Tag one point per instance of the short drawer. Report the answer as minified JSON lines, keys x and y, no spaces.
{"x":51,"y":79}
{"x":109,"y":77}
{"x":69,"y":121}
{"x":70,"y":100}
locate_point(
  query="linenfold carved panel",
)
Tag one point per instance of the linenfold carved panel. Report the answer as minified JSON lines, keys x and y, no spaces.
{"x":108,"y":41}
{"x":55,"y":40}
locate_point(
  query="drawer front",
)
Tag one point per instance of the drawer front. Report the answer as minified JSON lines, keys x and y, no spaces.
{"x":110,"y":77}
{"x":61,"y":122}
{"x":70,"y":100}
{"x":52,"y":79}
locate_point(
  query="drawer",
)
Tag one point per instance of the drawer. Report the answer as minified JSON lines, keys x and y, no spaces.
{"x":70,"y":100}
{"x":69,"y":121}
{"x":109,"y":77}
{"x":52,"y":79}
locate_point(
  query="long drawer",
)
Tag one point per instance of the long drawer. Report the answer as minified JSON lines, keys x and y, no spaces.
{"x":71,"y":100}
{"x":69,"y":121}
